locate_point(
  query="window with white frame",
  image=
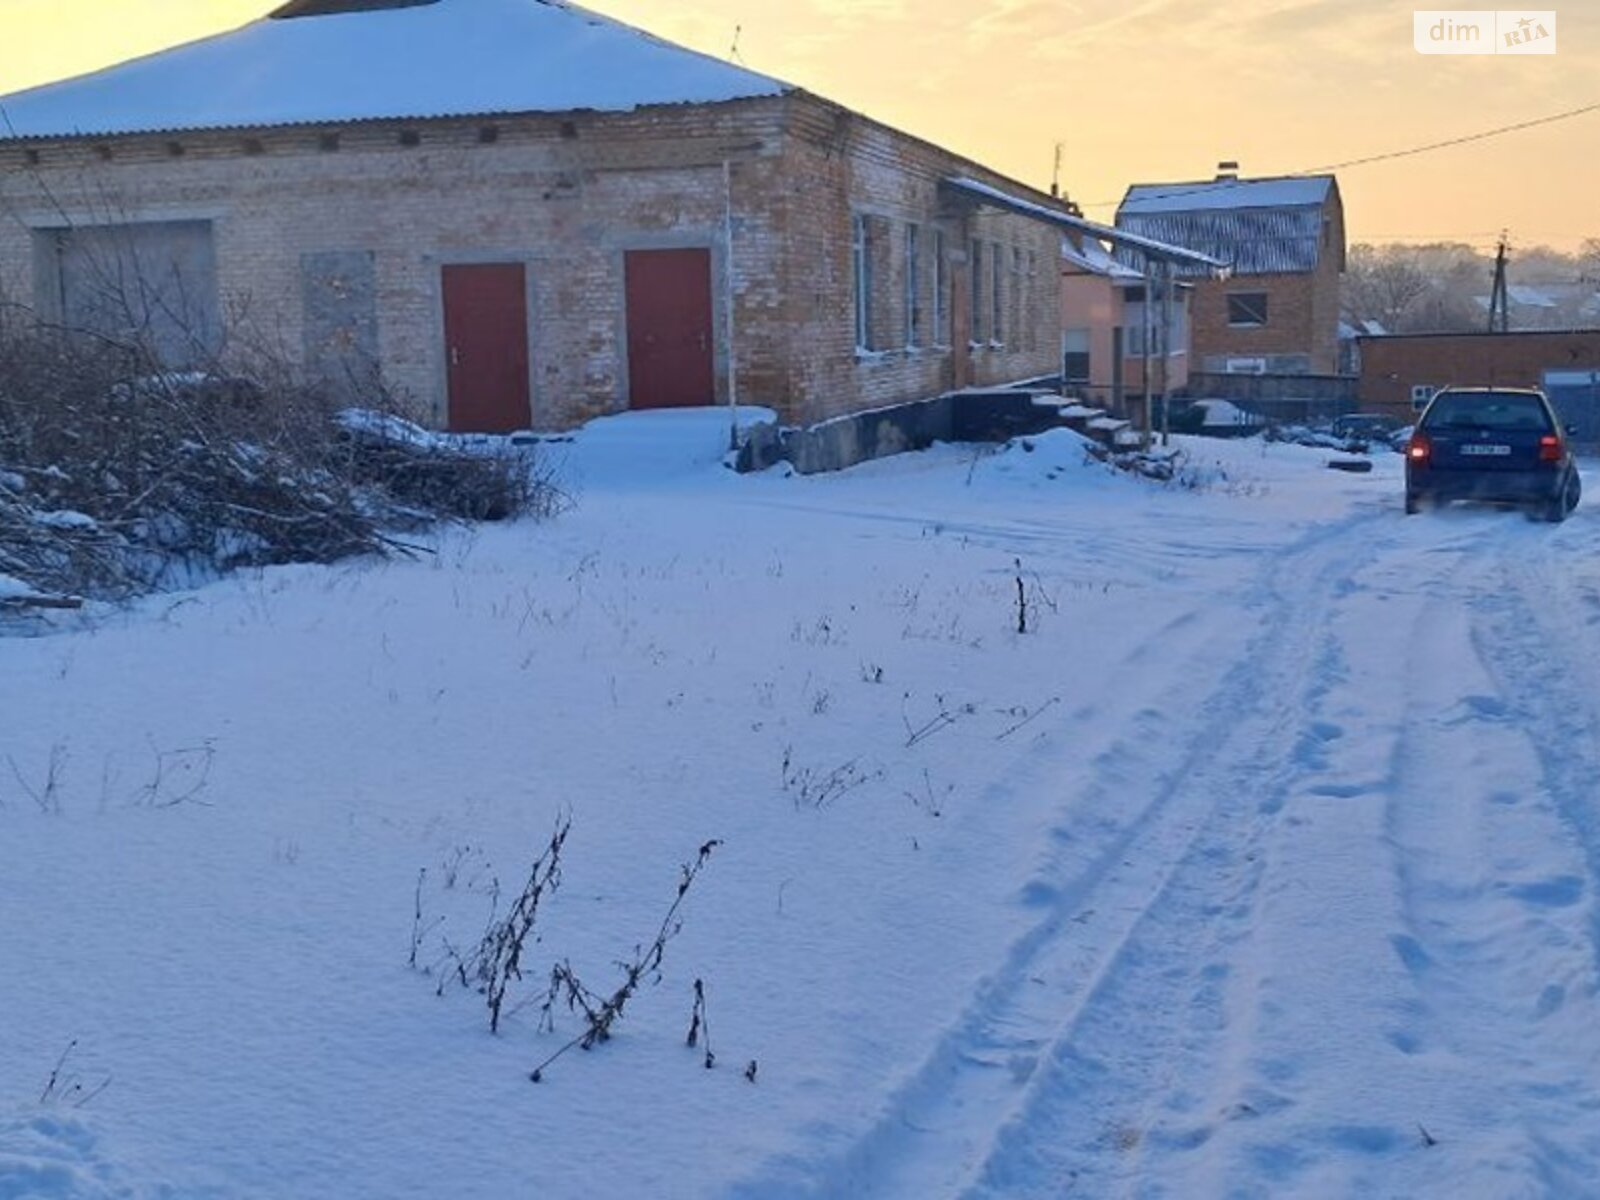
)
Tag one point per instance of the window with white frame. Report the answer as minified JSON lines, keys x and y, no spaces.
{"x":1180,"y":323}
{"x":1421,"y":393}
{"x":1247,"y":310}
{"x":915,"y":334}
{"x":1075,"y":356}
{"x":1133,"y":314}
{"x":997,"y":275}
{"x":861,"y":259}
{"x":1014,"y":310}
{"x":980,"y":322}
{"x":1030,"y":323}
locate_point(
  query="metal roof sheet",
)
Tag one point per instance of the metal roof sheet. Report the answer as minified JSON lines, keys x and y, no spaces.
{"x":1224,"y":194}
{"x":1092,"y":259}
{"x":1264,"y":241}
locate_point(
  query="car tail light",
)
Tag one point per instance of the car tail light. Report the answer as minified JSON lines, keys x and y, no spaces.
{"x":1549,"y":448}
{"x":1419,"y":449}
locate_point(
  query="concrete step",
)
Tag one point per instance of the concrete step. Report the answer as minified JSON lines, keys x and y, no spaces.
{"x":1108,"y":425}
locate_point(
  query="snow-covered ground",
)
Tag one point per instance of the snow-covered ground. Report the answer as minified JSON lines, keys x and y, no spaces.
{"x":1262,"y":864}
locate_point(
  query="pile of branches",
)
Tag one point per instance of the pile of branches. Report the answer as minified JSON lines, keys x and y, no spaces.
{"x":1164,"y":466}
{"x":116,"y":480}
{"x":424,"y":476}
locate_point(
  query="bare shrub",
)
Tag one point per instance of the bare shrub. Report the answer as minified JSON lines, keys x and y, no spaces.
{"x":118,"y":478}
{"x":700,"y":1024}
{"x":495,"y":963}
{"x":601,"y":1012}
{"x":498,"y":959}
{"x":65,"y":1087}
{"x":816,"y":787}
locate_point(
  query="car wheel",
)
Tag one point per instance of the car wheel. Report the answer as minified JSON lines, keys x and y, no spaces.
{"x":1413,"y":504}
{"x":1561,"y":507}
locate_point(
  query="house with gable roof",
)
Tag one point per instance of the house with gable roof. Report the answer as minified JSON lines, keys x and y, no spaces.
{"x":1277,"y":313}
{"x":517,"y":213}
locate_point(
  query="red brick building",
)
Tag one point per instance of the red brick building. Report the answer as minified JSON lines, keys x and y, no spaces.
{"x":1400,"y":372}
{"x":515,"y":213}
{"x":1283,"y":238}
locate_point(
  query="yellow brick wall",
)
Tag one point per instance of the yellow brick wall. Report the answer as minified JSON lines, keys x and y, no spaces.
{"x":568,"y":195}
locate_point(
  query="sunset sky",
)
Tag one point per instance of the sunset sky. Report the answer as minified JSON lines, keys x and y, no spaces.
{"x":1135,"y":90}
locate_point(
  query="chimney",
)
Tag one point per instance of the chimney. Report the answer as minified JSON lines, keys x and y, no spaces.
{"x":1227,"y":170}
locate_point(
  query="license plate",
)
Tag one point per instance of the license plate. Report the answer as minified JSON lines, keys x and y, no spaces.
{"x":1490,"y":449}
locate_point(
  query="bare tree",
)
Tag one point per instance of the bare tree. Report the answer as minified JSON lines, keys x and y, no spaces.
{"x":1589,"y":261}
{"x":1382,"y":284}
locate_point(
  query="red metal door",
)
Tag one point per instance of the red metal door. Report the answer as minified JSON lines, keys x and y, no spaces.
{"x":669,"y":328}
{"x":486,"y":347}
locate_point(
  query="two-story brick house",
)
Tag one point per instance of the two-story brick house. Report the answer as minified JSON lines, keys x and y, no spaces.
{"x":516,"y":213}
{"x":1278,"y":311}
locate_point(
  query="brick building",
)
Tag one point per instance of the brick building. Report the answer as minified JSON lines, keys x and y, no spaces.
{"x":1401,"y":371}
{"x":516,"y":213}
{"x":1278,"y":312}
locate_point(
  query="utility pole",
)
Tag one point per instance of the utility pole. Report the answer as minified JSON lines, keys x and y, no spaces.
{"x":1499,"y":302}
{"x":1166,"y":353}
{"x":1147,"y":320}
{"x":727,"y":288}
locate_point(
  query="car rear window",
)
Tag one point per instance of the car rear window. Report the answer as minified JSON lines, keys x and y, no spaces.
{"x":1487,"y":410}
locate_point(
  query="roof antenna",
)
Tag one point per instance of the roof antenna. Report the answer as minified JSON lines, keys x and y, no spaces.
{"x":733,"y":51}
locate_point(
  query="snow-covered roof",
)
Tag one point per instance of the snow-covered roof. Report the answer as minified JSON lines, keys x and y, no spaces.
{"x":1144,"y":248}
{"x":1260,"y":226}
{"x":1530,"y":296}
{"x":436,"y":58}
{"x":1363,"y":326}
{"x":1094,"y":259}
{"x":1284,"y":192}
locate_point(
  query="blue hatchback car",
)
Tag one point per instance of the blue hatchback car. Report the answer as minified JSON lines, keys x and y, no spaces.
{"x":1502,"y":445}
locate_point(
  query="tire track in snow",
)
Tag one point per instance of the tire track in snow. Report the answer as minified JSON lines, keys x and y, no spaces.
{"x":1425,"y":1004}
{"x":1490,"y":890}
{"x":1136,"y":1070}
{"x":937,"y":1127}
{"x":1525,"y":620}
{"x":1519,"y":946}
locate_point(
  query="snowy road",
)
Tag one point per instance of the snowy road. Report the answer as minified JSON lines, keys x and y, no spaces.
{"x":1264,"y":864}
{"x":1328,"y":929}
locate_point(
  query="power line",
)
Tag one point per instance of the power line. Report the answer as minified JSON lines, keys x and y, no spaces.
{"x":1456,"y":141}
{"x":1185,"y":189}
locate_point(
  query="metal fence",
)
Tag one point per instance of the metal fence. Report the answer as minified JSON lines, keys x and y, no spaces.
{"x":1278,"y":398}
